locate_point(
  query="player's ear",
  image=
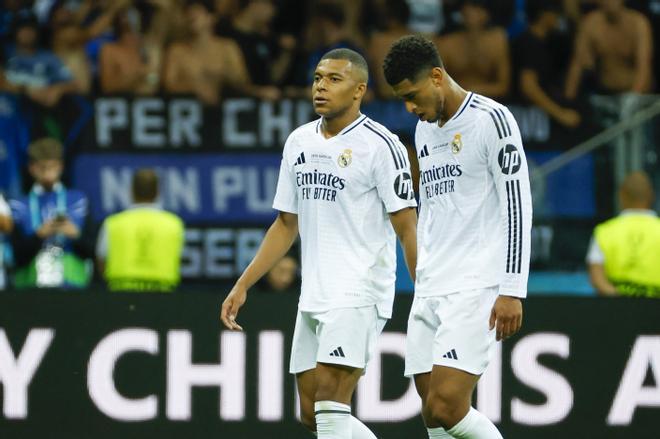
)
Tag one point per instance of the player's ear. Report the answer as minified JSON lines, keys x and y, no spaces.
{"x":437,"y":76}
{"x":360,"y":90}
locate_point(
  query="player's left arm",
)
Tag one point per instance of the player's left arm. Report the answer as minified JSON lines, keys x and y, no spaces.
{"x":508,"y":166}
{"x":404,"y":223}
{"x":394,"y":184}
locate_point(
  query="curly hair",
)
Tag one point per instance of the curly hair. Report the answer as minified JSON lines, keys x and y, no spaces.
{"x":408,"y":57}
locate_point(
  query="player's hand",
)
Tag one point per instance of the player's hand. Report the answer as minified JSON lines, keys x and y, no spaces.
{"x":506,"y":316}
{"x":235,"y":299}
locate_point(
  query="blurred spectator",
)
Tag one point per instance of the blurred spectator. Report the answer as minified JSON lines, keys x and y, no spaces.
{"x":326,"y":30}
{"x":268,"y":57}
{"x":624,"y":254}
{"x":614,"y":43}
{"x":51,"y":238}
{"x":14,"y":140}
{"x":205,"y":65}
{"x":282,"y":278}
{"x":477,"y":57}
{"x":68,"y":40}
{"x":124,"y":65}
{"x":540,"y":79}
{"x":393,"y":24}
{"x":37,"y":73}
{"x":6,"y":226}
{"x":426,"y":16}
{"x":140,"y":248}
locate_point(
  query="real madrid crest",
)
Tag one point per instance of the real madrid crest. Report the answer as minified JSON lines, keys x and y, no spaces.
{"x":345,"y":158}
{"x":456,"y":144}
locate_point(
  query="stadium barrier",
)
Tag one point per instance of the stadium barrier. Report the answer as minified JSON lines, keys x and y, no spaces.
{"x":99,"y":365}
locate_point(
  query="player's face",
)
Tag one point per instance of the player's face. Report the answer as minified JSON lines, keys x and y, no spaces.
{"x":336,"y":87}
{"x":423,"y":97}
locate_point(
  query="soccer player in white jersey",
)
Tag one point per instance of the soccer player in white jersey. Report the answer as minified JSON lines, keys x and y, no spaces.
{"x":345,"y":185}
{"x":473,"y":237}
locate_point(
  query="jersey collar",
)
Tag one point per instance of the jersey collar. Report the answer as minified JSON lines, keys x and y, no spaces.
{"x":466,"y":102}
{"x":360,"y":119}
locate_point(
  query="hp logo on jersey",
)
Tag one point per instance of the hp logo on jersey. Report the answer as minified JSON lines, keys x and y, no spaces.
{"x":509,"y":159}
{"x":403,"y":186}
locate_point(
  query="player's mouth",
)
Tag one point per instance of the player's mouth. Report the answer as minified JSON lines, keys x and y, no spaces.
{"x":320,"y":100}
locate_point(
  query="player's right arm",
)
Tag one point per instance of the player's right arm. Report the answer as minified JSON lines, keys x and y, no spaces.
{"x":278,"y":240}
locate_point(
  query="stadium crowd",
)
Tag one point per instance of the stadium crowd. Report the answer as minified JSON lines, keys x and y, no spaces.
{"x":547,"y":53}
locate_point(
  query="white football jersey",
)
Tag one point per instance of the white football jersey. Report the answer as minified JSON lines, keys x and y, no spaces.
{"x":475,"y":204}
{"x":342,"y":190}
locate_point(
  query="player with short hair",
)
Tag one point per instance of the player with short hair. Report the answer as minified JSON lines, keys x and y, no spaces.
{"x":473,"y":236}
{"x":345,"y":185}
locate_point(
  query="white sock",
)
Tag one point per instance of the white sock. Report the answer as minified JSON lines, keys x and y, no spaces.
{"x":438,"y":433}
{"x":360,"y":431}
{"x":475,"y":426}
{"x":333,"y":420}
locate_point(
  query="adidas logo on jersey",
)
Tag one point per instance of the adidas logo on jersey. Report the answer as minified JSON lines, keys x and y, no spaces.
{"x":425,"y":152}
{"x":301,"y":159}
{"x":451,"y":355}
{"x":339,"y":352}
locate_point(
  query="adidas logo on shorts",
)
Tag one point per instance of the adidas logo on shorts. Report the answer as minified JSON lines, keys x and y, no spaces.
{"x":451,"y":354}
{"x":339,"y":352}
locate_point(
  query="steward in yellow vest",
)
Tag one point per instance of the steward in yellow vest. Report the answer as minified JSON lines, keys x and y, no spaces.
{"x":624,"y":257}
{"x":140,"y":248}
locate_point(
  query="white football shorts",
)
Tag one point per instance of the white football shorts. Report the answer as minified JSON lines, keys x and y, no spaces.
{"x":451,"y":331}
{"x":345,"y":336}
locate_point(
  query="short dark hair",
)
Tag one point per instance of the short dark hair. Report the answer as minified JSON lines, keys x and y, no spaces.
{"x":535,"y":8}
{"x":349,"y":55}
{"x":145,"y":185}
{"x":408,"y":57}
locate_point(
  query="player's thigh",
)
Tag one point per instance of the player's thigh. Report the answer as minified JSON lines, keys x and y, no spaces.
{"x":422,"y":384}
{"x":335,"y":382}
{"x":450,"y":386}
{"x":464,"y":340}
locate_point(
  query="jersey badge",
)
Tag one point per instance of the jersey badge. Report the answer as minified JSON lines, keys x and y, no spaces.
{"x":457,"y":143}
{"x":345,"y":158}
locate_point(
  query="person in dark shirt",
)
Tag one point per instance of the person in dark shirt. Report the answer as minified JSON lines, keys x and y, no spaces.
{"x":267,"y":56}
{"x":35,"y":72}
{"x":539,"y":80}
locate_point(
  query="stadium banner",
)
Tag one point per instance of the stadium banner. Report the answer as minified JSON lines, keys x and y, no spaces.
{"x":88,"y":364}
{"x":174,"y":124}
{"x":218,"y":188}
{"x":226,"y":188}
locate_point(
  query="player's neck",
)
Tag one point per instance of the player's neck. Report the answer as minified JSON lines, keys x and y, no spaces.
{"x":331,"y":126}
{"x":455,"y":97}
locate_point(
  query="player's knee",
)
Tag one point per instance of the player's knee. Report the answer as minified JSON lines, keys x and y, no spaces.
{"x":442,"y":409}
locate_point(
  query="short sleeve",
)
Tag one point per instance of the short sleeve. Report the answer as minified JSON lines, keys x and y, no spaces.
{"x":595,"y":253}
{"x":286,"y":195}
{"x":393,"y":177}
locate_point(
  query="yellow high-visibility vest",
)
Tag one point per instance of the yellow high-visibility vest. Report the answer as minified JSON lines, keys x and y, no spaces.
{"x":631,"y":245}
{"x":144,"y":250}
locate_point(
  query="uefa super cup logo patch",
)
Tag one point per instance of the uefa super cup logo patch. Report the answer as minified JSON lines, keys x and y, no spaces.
{"x":345,"y":158}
